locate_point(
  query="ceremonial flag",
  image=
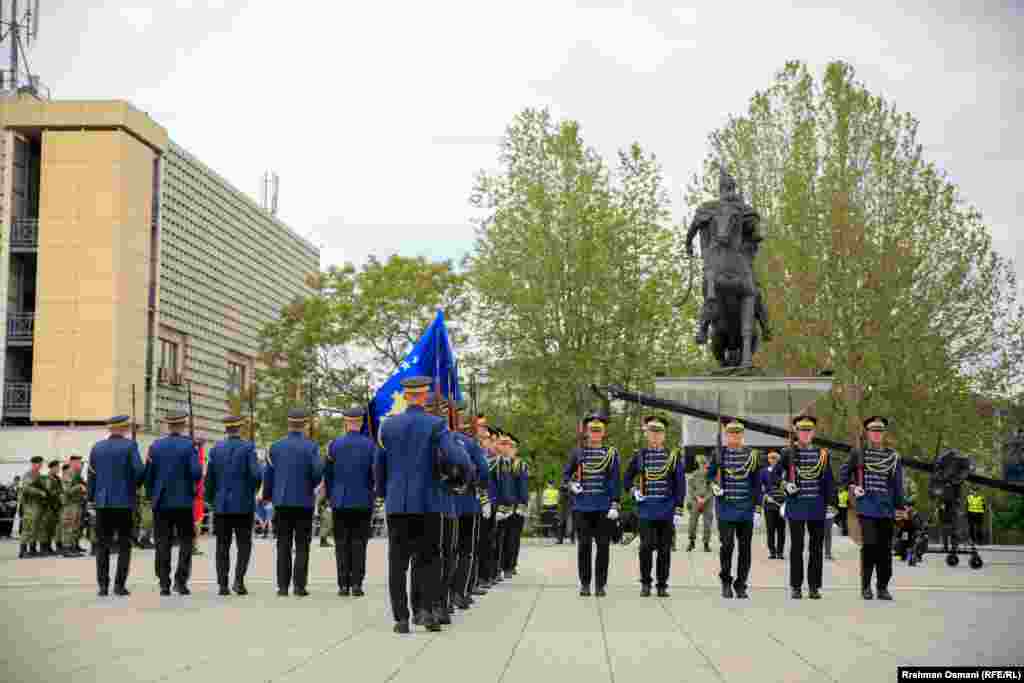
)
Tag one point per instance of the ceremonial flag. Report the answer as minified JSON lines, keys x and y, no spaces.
{"x":432,"y":356}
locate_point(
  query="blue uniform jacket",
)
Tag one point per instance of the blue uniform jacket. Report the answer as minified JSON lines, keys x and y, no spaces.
{"x":814,"y":495}
{"x":232,"y":477}
{"x":662,"y":496}
{"x":601,"y":486}
{"x":741,"y":494}
{"x":173,"y":472}
{"x":883,"y":493}
{"x":293,"y":472}
{"x":522,"y":471}
{"x":492,"y":479}
{"x":405,"y":464}
{"x":117,"y":472}
{"x":469,"y":503}
{"x":349,"y":478}
{"x":770,"y":487}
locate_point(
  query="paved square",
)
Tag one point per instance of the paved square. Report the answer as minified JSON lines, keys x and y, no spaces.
{"x":530,"y":629}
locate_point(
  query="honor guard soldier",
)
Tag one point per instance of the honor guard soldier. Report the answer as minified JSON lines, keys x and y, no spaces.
{"x":773,"y":495}
{"x":592,"y":473}
{"x":521,"y":479}
{"x":292,"y":473}
{"x":233,"y":475}
{"x":735,"y":484}
{"x":171,"y":477}
{"x":488,"y":565}
{"x":657,"y":479}
{"x":33,"y":494}
{"x":875,"y":479}
{"x":75,"y":492}
{"x":115,"y":470}
{"x":478,"y":431}
{"x":467,"y":506}
{"x":505,"y":502}
{"x":437,"y":407}
{"x":348,"y":480}
{"x":511,"y":497}
{"x":411,"y":444}
{"x":806,"y":474}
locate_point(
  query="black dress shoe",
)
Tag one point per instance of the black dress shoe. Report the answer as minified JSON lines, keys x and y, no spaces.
{"x":182,"y":589}
{"x":645,"y":591}
{"x":122,"y":591}
{"x":461,"y":602}
{"x":417,"y":619}
{"x":344,"y":591}
{"x":479,"y":591}
{"x":726,"y":590}
{"x":402,"y":627}
{"x":797,"y":594}
{"x":441,"y":616}
{"x":282,"y":592}
{"x":867,"y":594}
{"x":301,"y":592}
{"x":515,"y":572}
{"x":707,"y":547}
{"x":165,"y":590}
{"x":600,"y":592}
{"x":814,"y":594}
{"x":358,"y":592}
{"x":741,"y":592}
{"x":884,"y":594}
{"x":663,"y":592}
{"x":223,"y":590}
{"x":239,"y":588}
{"x":585,"y":592}
{"x":103,"y":592}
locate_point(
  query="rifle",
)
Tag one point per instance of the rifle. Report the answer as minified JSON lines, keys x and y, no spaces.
{"x":718,"y":442}
{"x":789,"y":436}
{"x":135,"y":428}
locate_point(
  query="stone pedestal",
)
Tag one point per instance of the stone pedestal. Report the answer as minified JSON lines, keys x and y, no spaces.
{"x":757,"y":398}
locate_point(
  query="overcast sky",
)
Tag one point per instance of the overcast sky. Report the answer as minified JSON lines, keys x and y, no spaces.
{"x":376,"y":115}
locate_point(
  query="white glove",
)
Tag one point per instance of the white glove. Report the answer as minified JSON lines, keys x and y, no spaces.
{"x":500,"y":517}
{"x":716,"y":489}
{"x":637,"y":496}
{"x":831,"y":512}
{"x":576,"y":488}
{"x":782,"y":511}
{"x":677,"y":520}
{"x":486,"y":510}
{"x":757,"y":520}
{"x":858,"y":491}
{"x":791,"y":488}
{"x":613,"y":514}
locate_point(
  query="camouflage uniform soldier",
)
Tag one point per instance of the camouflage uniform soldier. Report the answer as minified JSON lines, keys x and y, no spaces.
{"x":59,"y":531}
{"x":46,"y":525}
{"x":143,"y":519}
{"x":32,"y":496}
{"x":74,"y":493}
{"x":701,"y":504}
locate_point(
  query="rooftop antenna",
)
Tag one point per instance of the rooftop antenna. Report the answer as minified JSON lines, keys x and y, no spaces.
{"x":20,"y":28}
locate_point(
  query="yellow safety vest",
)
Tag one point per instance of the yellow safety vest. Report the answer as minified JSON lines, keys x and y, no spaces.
{"x":550,"y":497}
{"x":844,"y":497}
{"x":975,"y":503}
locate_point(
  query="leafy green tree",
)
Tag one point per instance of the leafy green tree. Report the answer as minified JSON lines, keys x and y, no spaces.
{"x":873,"y":265}
{"x":577,"y":277}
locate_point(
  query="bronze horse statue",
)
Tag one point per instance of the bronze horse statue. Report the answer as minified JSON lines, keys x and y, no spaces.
{"x":732,"y":299}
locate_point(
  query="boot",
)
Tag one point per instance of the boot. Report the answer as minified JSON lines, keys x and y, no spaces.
{"x":32,"y":550}
{"x":92,"y":550}
{"x":68,"y":551}
{"x":707,"y":546}
{"x":78,"y":548}
{"x":693,"y":542}
{"x":23,"y":551}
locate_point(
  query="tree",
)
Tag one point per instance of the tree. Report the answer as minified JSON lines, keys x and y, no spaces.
{"x":873,"y":264}
{"x":576,"y":275}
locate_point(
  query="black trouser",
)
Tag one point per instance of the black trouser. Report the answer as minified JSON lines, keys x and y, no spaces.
{"x":510,"y":552}
{"x":479,"y":525}
{"x":655,"y":536}
{"x":449,"y":540}
{"x":593,"y":527}
{"x":735,"y":533}
{"x":842,"y":517}
{"x":224,"y":526}
{"x":564,"y":515}
{"x":816,"y":530}
{"x":500,"y":534}
{"x":975,"y":523}
{"x":876,"y":552}
{"x":776,"y":529}
{"x":487,"y":562}
{"x":109,"y":520}
{"x":294,"y":525}
{"x":180,"y":521}
{"x":351,"y":534}
{"x":415,"y":537}
{"x":464,"y":555}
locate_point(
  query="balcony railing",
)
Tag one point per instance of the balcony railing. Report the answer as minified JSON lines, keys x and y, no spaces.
{"x":25,"y":234}
{"x":20,"y":327}
{"x":17,"y":399}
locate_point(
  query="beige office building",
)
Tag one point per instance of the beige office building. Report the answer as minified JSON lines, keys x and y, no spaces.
{"x":124,"y":261}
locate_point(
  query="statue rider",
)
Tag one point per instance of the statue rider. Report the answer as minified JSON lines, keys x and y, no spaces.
{"x":728,"y":195}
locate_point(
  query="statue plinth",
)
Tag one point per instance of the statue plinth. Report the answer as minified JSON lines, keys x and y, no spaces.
{"x":760,"y":398}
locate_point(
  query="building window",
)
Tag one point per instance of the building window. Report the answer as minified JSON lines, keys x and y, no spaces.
{"x":236,"y":378}
{"x":168,"y":356}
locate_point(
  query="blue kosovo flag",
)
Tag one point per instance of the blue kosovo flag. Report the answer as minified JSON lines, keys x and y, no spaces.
{"x":432,"y":356}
